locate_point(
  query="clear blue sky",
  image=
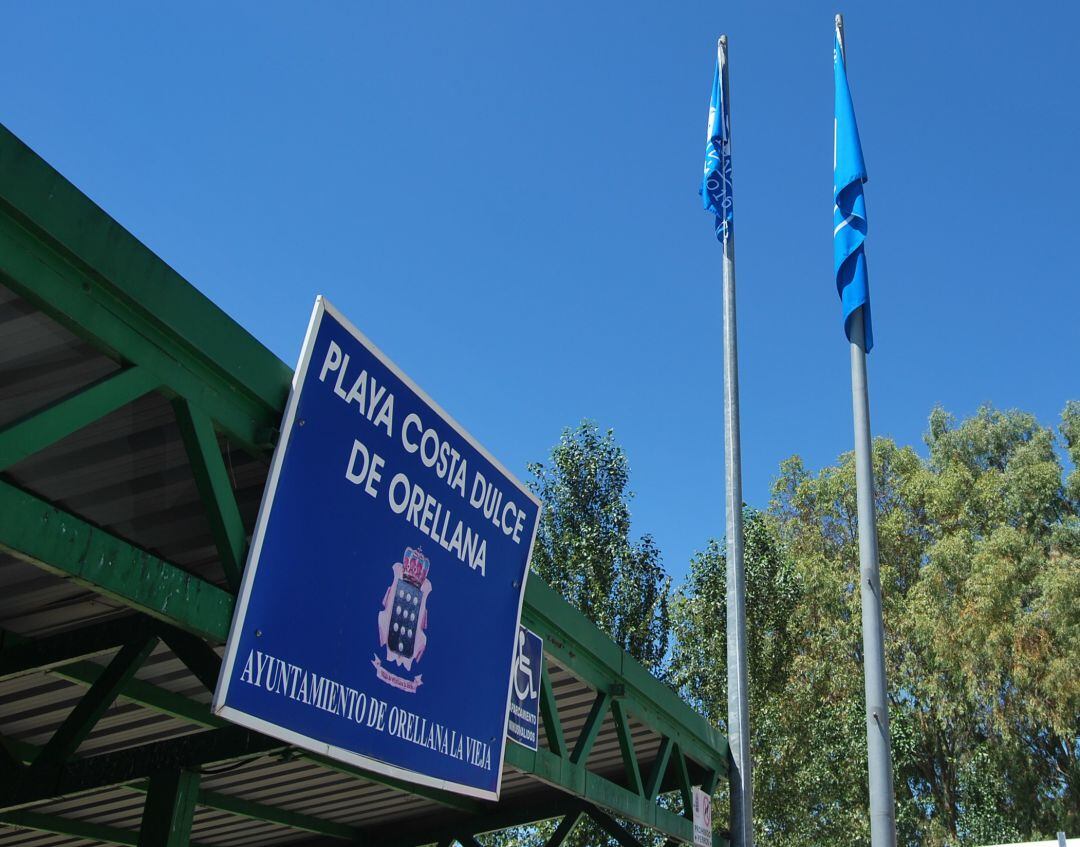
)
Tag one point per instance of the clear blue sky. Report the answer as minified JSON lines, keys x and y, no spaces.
{"x":503,"y":196}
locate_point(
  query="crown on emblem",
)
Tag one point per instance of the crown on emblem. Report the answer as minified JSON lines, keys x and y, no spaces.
{"x":415,"y":566}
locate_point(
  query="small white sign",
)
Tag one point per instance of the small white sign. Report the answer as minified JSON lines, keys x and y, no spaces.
{"x":702,"y":818}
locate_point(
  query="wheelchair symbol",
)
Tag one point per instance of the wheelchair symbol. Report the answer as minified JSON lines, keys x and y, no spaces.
{"x":525,"y":683}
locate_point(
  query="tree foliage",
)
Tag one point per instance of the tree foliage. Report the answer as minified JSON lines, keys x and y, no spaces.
{"x":980,"y":569}
{"x":584,"y":549}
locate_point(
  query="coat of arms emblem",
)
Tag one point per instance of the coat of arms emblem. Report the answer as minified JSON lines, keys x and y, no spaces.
{"x":403,"y":620}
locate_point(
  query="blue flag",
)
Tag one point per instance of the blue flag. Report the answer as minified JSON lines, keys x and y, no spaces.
{"x":849,"y":209}
{"x":716,"y":183}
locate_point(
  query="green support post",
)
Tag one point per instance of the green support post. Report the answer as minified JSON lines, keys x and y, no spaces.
{"x":215,"y":488}
{"x":626,"y":747}
{"x":580,"y":782}
{"x":212,"y":800}
{"x":73,"y":827}
{"x":549,"y":713}
{"x":146,"y":694}
{"x":47,"y":426}
{"x":575,"y":642}
{"x":294,"y":820}
{"x":85,"y":830}
{"x":613,"y":828}
{"x":659,"y":768}
{"x":20,"y":656}
{"x":686,"y":788}
{"x":94,"y":703}
{"x":446,"y":798}
{"x":197,"y":656}
{"x":563,"y":829}
{"x":169,"y":809}
{"x":591,"y":729}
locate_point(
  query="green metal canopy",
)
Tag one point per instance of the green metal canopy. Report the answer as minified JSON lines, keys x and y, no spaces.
{"x":136,"y":425}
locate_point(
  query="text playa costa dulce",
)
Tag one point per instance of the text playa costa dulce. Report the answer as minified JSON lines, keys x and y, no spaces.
{"x":427,"y":513}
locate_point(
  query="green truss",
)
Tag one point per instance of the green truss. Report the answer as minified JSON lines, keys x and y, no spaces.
{"x":73,"y":262}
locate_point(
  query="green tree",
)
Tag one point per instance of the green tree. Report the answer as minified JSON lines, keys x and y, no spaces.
{"x":699,"y":650}
{"x":584,"y":549}
{"x":980,"y":573}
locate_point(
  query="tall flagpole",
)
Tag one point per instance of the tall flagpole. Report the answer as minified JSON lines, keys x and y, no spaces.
{"x":742,"y":791}
{"x":879,"y":755}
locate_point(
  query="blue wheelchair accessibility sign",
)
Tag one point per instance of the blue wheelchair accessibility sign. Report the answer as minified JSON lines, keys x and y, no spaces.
{"x":523,"y":723}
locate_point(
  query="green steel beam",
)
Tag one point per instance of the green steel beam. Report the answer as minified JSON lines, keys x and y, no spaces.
{"x":215,"y":488}
{"x":235,"y":805}
{"x":47,"y":426}
{"x":549,"y":713}
{"x":169,"y":809}
{"x":446,"y":798}
{"x":626,"y":747}
{"x":575,"y":642}
{"x":20,"y":656}
{"x":146,"y":694}
{"x":270,"y":814}
{"x":71,"y":260}
{"x":492,"y":819}
{"x":686,"y":788}
{"x":37,"y":822}
{"x":583,"y":783}
{"x":86,"y":830}
{"x":564,"y":828}
{"x":294,"y":820}
{"x":61,"y":543}
{"x":135,"y":764}
{"x":52,"y":650}
{"x":82,"y":719}
{"x":659,"y":768}
{"x":197,"y":656}
{"x":613,"y":828}
{"x":591,"y":729}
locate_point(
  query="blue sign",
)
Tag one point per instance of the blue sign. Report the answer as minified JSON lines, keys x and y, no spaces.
{"x":523,"y":723}
{"x":377,"y":621}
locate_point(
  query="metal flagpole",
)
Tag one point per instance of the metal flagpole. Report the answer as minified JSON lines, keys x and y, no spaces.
{"x":742,"y":791}
{"x":879,"y":756}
